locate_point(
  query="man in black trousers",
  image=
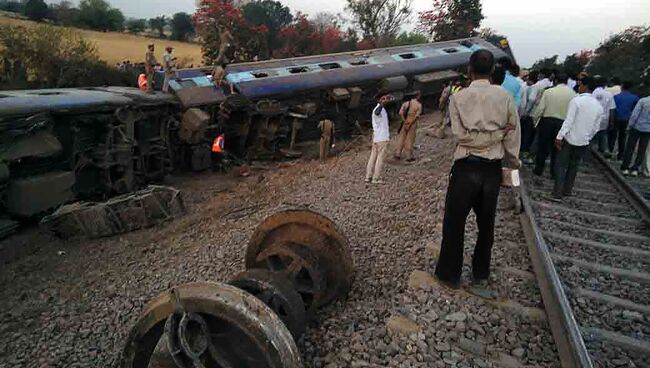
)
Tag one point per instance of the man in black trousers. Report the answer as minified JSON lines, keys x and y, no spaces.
{"x":486,"y":125}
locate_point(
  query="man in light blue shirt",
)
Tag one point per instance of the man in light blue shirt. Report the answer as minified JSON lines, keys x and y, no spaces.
{"x":639,"y":132}
{"x":511,"y":84}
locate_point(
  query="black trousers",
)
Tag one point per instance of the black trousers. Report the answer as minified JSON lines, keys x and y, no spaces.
{"x":566,"y":168}
{"x":635,"y":137}
{"x":527,"y":133}
{"x":546,"y":133}
{"x":474,"y":184}
{"x":617,"y":132}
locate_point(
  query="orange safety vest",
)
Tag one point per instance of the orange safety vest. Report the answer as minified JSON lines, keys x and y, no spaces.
{"x":218,"y":144}
{"x":142,"y":82}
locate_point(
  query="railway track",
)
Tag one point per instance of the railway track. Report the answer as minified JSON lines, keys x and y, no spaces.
{"x":591,"y":254}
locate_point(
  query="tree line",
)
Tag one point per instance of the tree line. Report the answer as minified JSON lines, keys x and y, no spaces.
{"x":624,"y":56}
{"x":99,"y":15}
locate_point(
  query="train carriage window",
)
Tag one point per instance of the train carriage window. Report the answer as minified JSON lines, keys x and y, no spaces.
{"x":330,"y":66}
{"x":188,"y":83}
{"x":359,"y":62}
{"x":46,"y":93}
{"x":450,"y":50}
{"x":260,"y":75}
{"x":467,"y":43}
{"x":408,"y":56}
{"x":300,"y":69}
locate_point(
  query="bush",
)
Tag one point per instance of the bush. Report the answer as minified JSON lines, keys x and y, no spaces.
{"x":53,"y":57}
{"x":36,"y":10}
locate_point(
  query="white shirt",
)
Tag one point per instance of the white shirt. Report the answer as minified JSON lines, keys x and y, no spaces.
{"x":380,"y":131}
{"x":524,"y":97}
{"x":582,"y":121}
{"x":546,"y":83}
{"x":571,"y":83}
{"x":606,"y":101}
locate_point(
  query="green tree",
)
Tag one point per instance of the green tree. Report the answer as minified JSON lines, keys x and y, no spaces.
{"x":52,"y":57}
{"x":451,"y":19}
{"x":271,"y":14}
{"x":99,"y":15}
{"x":576,"y":63}
{"x":136,"y":25}
{"x":408,"y":38}
{"x":64,"y":13}
{"x":625,"y":55}
{"x":379,"y":20}
{"x":12,"y":6}
{"x":182,"y":27}
{"x":159,"y":24}
{"x":550,"y":63}
{"x":36,"y":10}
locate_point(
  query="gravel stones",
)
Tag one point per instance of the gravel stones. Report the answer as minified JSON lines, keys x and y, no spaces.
{"x":75,"y":310}
{"x":402,"y":326}
{"x":421,"y":280}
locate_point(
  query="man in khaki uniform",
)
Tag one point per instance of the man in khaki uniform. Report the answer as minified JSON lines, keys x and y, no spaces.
{"x":410,"y":113}
{"x":326,"y":132}
{"x":169,"y":63}
{"x":485,"y":122}
{"x":149,"y":64}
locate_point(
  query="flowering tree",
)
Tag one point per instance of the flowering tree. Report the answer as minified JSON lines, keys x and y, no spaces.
{"x":304,"y":37}
{"x":451,"y":19}
{"x":225,"y":32}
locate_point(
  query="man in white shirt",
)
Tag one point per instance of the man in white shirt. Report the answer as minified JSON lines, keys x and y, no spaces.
{"x":606,"y":101}
{"x":380,"y":139}
{"x":581,"y":124}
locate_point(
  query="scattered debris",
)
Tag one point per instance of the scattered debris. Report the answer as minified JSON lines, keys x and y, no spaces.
{"x":130,"y":212}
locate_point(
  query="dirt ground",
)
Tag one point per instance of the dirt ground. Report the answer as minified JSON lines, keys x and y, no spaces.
{"x":72,"y":303}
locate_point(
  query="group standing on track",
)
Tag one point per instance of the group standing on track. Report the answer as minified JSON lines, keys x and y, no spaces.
{"x":501,"y":120}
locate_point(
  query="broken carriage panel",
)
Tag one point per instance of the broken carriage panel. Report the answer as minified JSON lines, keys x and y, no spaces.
{"x":129,"y":212}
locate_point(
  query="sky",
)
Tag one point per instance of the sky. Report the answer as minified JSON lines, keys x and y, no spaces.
{"x":535,"y":28}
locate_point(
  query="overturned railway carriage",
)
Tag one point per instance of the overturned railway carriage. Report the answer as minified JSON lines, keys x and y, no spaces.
{"x":62,"y":145}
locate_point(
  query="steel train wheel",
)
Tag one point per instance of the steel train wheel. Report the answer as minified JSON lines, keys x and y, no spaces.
{"x":277,"y":293}
{"x":314,"y":234}
{"x":218,"y":325}
{"x":302,"y":267}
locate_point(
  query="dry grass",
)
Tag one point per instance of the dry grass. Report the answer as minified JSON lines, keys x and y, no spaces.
{"x":115,"y":47}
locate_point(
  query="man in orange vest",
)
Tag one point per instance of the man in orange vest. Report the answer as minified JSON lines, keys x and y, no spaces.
{"x":217,"y":152}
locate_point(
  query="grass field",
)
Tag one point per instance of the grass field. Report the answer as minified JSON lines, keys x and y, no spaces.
{"x":115,"y":47}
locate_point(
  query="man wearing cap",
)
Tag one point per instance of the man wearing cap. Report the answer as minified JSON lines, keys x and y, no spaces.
{"x":485,"y":122}
{"x":149,"y":65}
{"x":169,"y":65}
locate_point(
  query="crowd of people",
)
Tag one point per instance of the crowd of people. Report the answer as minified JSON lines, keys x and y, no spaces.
{"x":501,"y":120}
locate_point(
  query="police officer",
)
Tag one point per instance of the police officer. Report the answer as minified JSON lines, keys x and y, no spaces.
{"x":169,"y":63}
{"x":149,"y":65}
{"x":326,"y":133}
{"x":410,"y":113}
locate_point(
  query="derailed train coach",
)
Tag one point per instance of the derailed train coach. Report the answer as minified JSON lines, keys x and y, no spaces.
{"x":62,"y":145}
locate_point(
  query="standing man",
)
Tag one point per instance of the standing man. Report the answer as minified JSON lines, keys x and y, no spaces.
{"x":614,"y":86}
{"x":485,"y":122}
{"x":380,"y":139}
{"x":552,"y":110}
{"x":606,"y":101}
{"x":638,"y":132}
{"x":149,"y":65}
{"x":625,"y":103}
{"x":169,"y":64}
{"x":527,"y":125}
{"x":510,"y":83}
{"x":582,"y":122}
{"x":326,"y":128}
{"x":410,"y":113}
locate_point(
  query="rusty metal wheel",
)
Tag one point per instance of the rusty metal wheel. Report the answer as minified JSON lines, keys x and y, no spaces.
{"x":209,"y":325}
{"x":278,"y":293}
{"x":315,"y":254}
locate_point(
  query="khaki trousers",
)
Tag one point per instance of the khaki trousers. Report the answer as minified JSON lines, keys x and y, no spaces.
{"x":376,"y":162}
{"x":168,"y":78}
{"x":406,"y":141}
{"x":325,"y":144}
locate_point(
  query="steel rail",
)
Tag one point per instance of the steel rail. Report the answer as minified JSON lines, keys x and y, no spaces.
{"x":630,"y":194}
{"x":566,"y":331}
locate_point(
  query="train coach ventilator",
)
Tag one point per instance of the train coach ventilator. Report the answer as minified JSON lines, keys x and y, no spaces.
{"x":296,"y":260}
